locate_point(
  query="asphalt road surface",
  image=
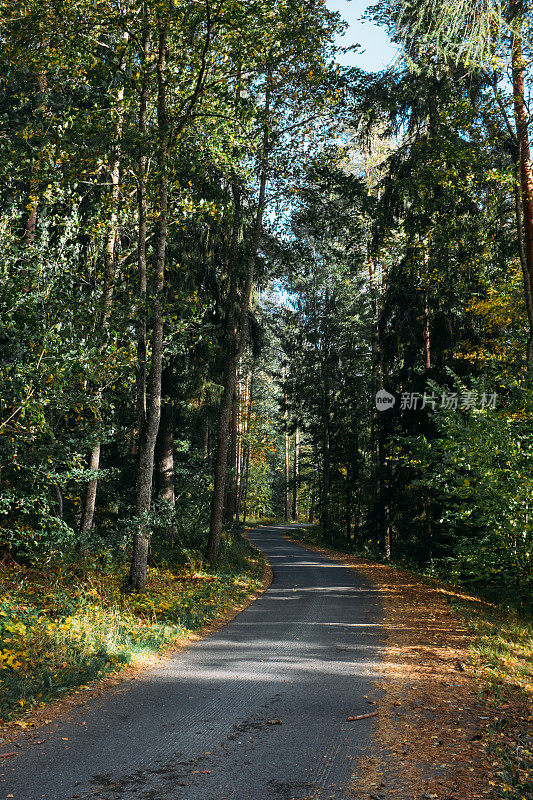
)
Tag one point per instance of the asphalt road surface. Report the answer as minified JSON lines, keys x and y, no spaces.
{"x":257,"y":711}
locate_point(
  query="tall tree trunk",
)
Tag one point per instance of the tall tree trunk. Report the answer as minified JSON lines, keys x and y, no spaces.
{"x":231,"y":343}
{"x":107,"y":295}
{"x":140,"y":374}
{"x":426,"y":511}
{"x":383,"y":435}
{"x":137,"y":576}
{"x":236,"y":340}
{"x":246,"y":446}
{"x":59,"y":498}
{"x":376,"y":373}
{"x":295,"y":474}
{"x":528,"y":294}
{"x":325,"y":510}
{"x":164,"y":448}
{"x":376,"y":384}
{"x":246,"y":469}
{"x":241,"y":400}
{"x":207,"y":441}
{"x":165,"y":440}
{"x":348,"y":502}
{"x":223,"y":436}
{"x":427,"y":338}
{"x":312,"y":507}
{"x":358,"y":514}
{"x":217,"y":502}
{"x":242,"y":477}
{"x":231,"y":486}
{"x":525,"y":229}
{"x":287,"y":462}
{"x":90,"y":497}
{"x":325,"y":505}
{"x":385,"y":531}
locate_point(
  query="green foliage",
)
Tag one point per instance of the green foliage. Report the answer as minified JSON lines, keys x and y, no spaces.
{"x":389,"y":258}
{"x":477,"y":470}
{"x":76,"y":160}
{"x":58,"y":632}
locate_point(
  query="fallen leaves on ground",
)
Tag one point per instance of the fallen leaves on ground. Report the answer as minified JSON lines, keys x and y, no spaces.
{"x":445,"y":728}
{"x":64,"y":626}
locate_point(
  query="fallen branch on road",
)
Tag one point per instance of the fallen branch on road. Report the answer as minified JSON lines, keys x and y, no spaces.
{"x":363,"y":716}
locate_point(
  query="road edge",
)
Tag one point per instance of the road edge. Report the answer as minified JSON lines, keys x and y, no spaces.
{"x":59,"y":708}
{"x":416,"y":729}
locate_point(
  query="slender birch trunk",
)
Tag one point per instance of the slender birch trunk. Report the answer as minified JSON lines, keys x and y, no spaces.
{"x":247,"y":416}
{"x":287,"y":461}
{"x":140,"y":373}
{"x":427,"y":336}
{"x":312,"y":506}
{"x":165,"y":440}
{"x":246,"y":468}
{"x":296,"y":474}
{"x":348,"y":501}
{"x":231,"y":487}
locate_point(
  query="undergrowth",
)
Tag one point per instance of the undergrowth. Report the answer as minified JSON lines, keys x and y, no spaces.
{"x":502,"y":656}
{"x":68,"y":624}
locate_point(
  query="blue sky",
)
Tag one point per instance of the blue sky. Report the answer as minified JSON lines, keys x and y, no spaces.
{"x":379,"y":52}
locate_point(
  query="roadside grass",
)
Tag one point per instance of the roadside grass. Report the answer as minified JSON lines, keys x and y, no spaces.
{"x":501,"y":656}
{"x":69,"y":624}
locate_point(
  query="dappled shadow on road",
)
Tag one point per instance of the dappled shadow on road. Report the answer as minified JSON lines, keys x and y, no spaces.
{"x":260,"y":709}
{"x":430,"y":724}
{"x":306,"y":647}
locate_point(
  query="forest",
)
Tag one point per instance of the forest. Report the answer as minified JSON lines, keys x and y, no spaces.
{"x":242,"y":283}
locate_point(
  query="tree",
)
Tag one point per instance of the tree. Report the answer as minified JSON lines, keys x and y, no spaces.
{"x":293,"y":59}
{"x":475,"y":34}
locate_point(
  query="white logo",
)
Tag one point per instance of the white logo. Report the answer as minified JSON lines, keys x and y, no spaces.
{"x":384,"y":400}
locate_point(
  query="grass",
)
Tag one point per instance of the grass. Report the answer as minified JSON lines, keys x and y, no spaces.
{"x":502,"y":656}
{"x":67,"y":625}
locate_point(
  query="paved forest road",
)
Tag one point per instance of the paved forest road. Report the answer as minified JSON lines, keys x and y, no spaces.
{"x":196,"y":727}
